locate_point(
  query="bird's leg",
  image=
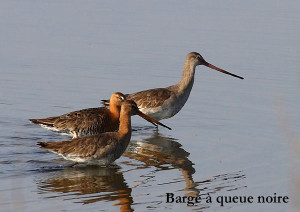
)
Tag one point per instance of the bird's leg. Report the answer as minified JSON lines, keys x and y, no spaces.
{"x":73,"y":165}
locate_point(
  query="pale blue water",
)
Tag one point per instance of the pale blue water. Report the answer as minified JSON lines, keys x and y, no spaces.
{"x":232,"y":138}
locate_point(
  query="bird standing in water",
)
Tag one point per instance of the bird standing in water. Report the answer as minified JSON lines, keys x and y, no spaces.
{"x":87,"y":121}
{"x":101,"y":149}
{"x":163,"y":103}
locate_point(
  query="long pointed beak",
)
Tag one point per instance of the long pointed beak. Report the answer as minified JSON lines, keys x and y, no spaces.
{"x":221,"y":70}
{"x":151,"y":120}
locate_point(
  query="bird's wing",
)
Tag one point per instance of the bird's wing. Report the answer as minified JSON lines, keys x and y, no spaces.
{"x":81,"y":147}
{"x":81,"y":120}
{"x":150,"y":98}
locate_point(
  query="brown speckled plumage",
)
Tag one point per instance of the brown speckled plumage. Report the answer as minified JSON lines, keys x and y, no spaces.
{"x":150,"y":98}
{"x":100,"y":149}
{"x":87,"y":121}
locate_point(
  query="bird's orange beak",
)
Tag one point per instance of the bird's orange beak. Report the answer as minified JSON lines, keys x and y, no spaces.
{"x":151,"y":120}
{"x":221,"y":70}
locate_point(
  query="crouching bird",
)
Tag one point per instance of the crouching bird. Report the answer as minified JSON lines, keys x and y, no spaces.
{"x":104,"y":148}
{"x":88,"y":121}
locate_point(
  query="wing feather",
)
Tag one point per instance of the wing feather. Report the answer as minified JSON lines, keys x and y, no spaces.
{"x":150,"y":98}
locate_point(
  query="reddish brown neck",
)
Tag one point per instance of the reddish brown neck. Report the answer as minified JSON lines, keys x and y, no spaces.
{"x":114,"y":111}
{"x":125,"y":123}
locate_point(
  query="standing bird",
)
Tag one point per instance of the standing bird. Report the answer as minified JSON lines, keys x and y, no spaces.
{"x":101,"y":149}
{"x":163,"y":103}
{"x":87,"y":121}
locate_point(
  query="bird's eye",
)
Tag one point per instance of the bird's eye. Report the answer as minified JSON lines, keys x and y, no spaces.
{"x":121,"y":98}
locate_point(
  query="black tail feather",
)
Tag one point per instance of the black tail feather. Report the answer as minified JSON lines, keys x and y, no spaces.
{"x":105,"y":102}
{"x":34,"y":121}
{"x":40,"y":121}
{"x":42,"y":144}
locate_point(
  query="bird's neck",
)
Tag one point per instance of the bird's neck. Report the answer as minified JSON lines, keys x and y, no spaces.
{"x":114,"y":111}
{"x":125,"y":124}
{"x":184,"y":86}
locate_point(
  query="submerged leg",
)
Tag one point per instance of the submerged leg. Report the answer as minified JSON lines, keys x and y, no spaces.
{"x":73,"y":165}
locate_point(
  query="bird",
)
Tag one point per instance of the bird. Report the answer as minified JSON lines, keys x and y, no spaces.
{"x":163,"y":103}
{"x":87,"y":121}
{"x":101,"y":149}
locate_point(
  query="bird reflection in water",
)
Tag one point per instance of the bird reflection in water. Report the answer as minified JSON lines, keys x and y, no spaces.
{"x":164,"y":153}
{"x":89,"y":184}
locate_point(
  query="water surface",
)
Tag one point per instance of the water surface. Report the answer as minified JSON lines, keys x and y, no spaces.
{"x":232,"y":138}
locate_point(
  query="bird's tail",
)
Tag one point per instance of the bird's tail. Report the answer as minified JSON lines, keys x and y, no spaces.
{"x":46,"y":121}
{"x":105,"y":102}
